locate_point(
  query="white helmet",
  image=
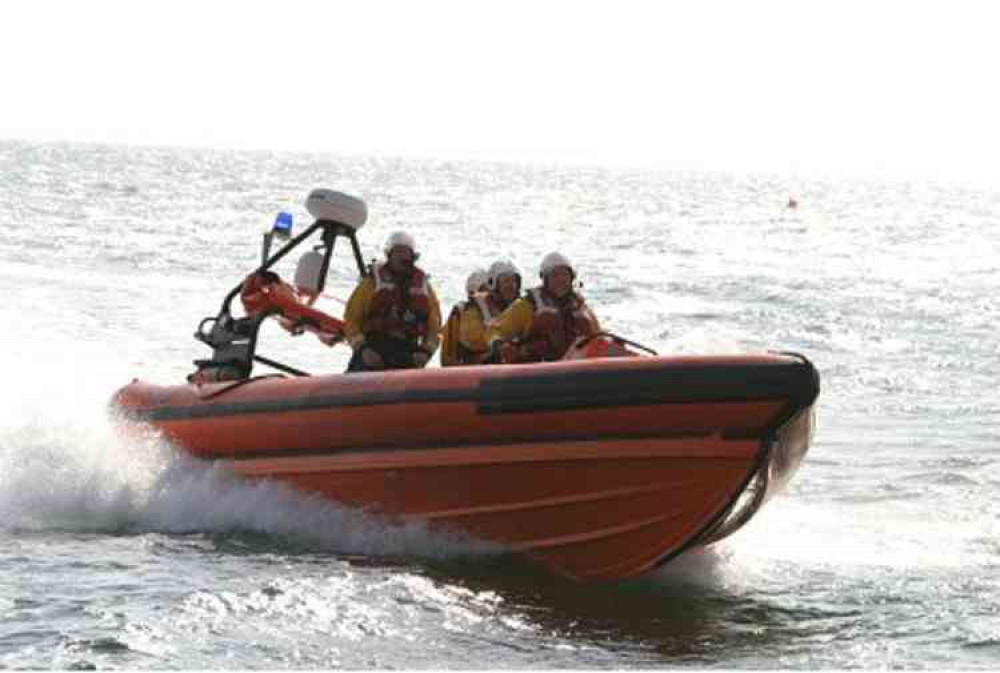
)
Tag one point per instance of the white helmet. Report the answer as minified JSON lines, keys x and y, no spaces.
{"x":476,"y":280}
{"x":554,"y":260}
{"x":500,"y":268}
{"x":399,"y":238}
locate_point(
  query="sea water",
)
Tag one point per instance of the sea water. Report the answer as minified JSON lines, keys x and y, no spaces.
{"x":122,"y":552}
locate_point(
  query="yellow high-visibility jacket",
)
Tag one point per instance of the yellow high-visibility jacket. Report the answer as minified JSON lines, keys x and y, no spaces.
{"x":464,"y":335}
{"x":514,"y":323}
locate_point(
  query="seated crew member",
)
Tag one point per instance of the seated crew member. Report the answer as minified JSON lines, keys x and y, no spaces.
{"x":476,"y":282}
{"x":546,"y":321}
{"x":392,"y":319}
{"x":470,"y":345}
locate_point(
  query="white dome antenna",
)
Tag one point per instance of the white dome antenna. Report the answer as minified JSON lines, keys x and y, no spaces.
{"x":326,"y":204}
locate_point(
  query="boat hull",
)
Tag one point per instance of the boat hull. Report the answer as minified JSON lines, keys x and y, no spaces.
{"x":598,"y":469}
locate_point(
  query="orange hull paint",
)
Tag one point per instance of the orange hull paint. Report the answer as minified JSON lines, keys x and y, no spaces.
{"x":597,"y":469}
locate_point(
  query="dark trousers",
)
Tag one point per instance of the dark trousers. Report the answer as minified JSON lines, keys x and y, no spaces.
{"x":396,"y":354}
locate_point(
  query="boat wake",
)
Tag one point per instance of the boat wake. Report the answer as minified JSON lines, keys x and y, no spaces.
{"x":65,"y":468}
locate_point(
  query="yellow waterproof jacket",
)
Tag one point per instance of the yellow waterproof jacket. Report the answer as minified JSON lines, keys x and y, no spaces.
{"x":454,"y":351}
{"x":472,"y":332}
{"x":514,"y":323}
{"x":464,"y":336}
{"x":358,"y":309}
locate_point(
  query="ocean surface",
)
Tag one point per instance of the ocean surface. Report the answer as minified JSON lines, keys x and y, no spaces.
{"x":883,"y":553}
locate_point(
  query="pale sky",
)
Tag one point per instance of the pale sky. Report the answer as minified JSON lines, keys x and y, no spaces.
{"x":846,"y":87}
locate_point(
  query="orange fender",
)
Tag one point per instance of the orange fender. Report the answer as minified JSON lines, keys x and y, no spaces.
{"x":265,"y":291}
{"x":599,"y":347}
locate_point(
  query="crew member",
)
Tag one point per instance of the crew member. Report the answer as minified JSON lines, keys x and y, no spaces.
{"x":476,"y":282}
{"x":466,"y":337}
{"x":542,"y":325}
{"x":392,"y":319}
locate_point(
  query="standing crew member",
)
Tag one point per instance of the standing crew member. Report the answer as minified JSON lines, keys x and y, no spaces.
{"x":392,"y":319}
{"x":542,"y":325}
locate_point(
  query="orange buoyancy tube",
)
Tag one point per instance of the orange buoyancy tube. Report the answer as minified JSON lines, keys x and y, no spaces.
{"x":265,"y":290}
{"x":399,"y":310}
{"x":557,"y":325}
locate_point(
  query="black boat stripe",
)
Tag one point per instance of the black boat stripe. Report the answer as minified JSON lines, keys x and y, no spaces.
{"x":545,"y":392}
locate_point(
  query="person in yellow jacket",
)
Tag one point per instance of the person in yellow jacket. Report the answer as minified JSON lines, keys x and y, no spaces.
{"x":465,"y":333}
{"x":393,"y":319}
{"x":542,"y":325}
{"x":450,"y":347}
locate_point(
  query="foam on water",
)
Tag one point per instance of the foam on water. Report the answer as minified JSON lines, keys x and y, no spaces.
{"x":67,"y":465}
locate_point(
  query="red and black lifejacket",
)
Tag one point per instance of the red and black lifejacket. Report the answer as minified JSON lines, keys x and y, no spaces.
{"x":557,"y":323}
{"x":400,"y":306}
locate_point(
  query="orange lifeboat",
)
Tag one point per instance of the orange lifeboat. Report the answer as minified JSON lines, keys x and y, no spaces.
{"x":599,"y":467}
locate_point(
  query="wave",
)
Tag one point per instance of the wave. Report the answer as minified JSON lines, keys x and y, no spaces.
{"x":66,"y":466}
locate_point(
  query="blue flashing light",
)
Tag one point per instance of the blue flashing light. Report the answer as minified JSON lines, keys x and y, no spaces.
{"x":282,"y":225}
